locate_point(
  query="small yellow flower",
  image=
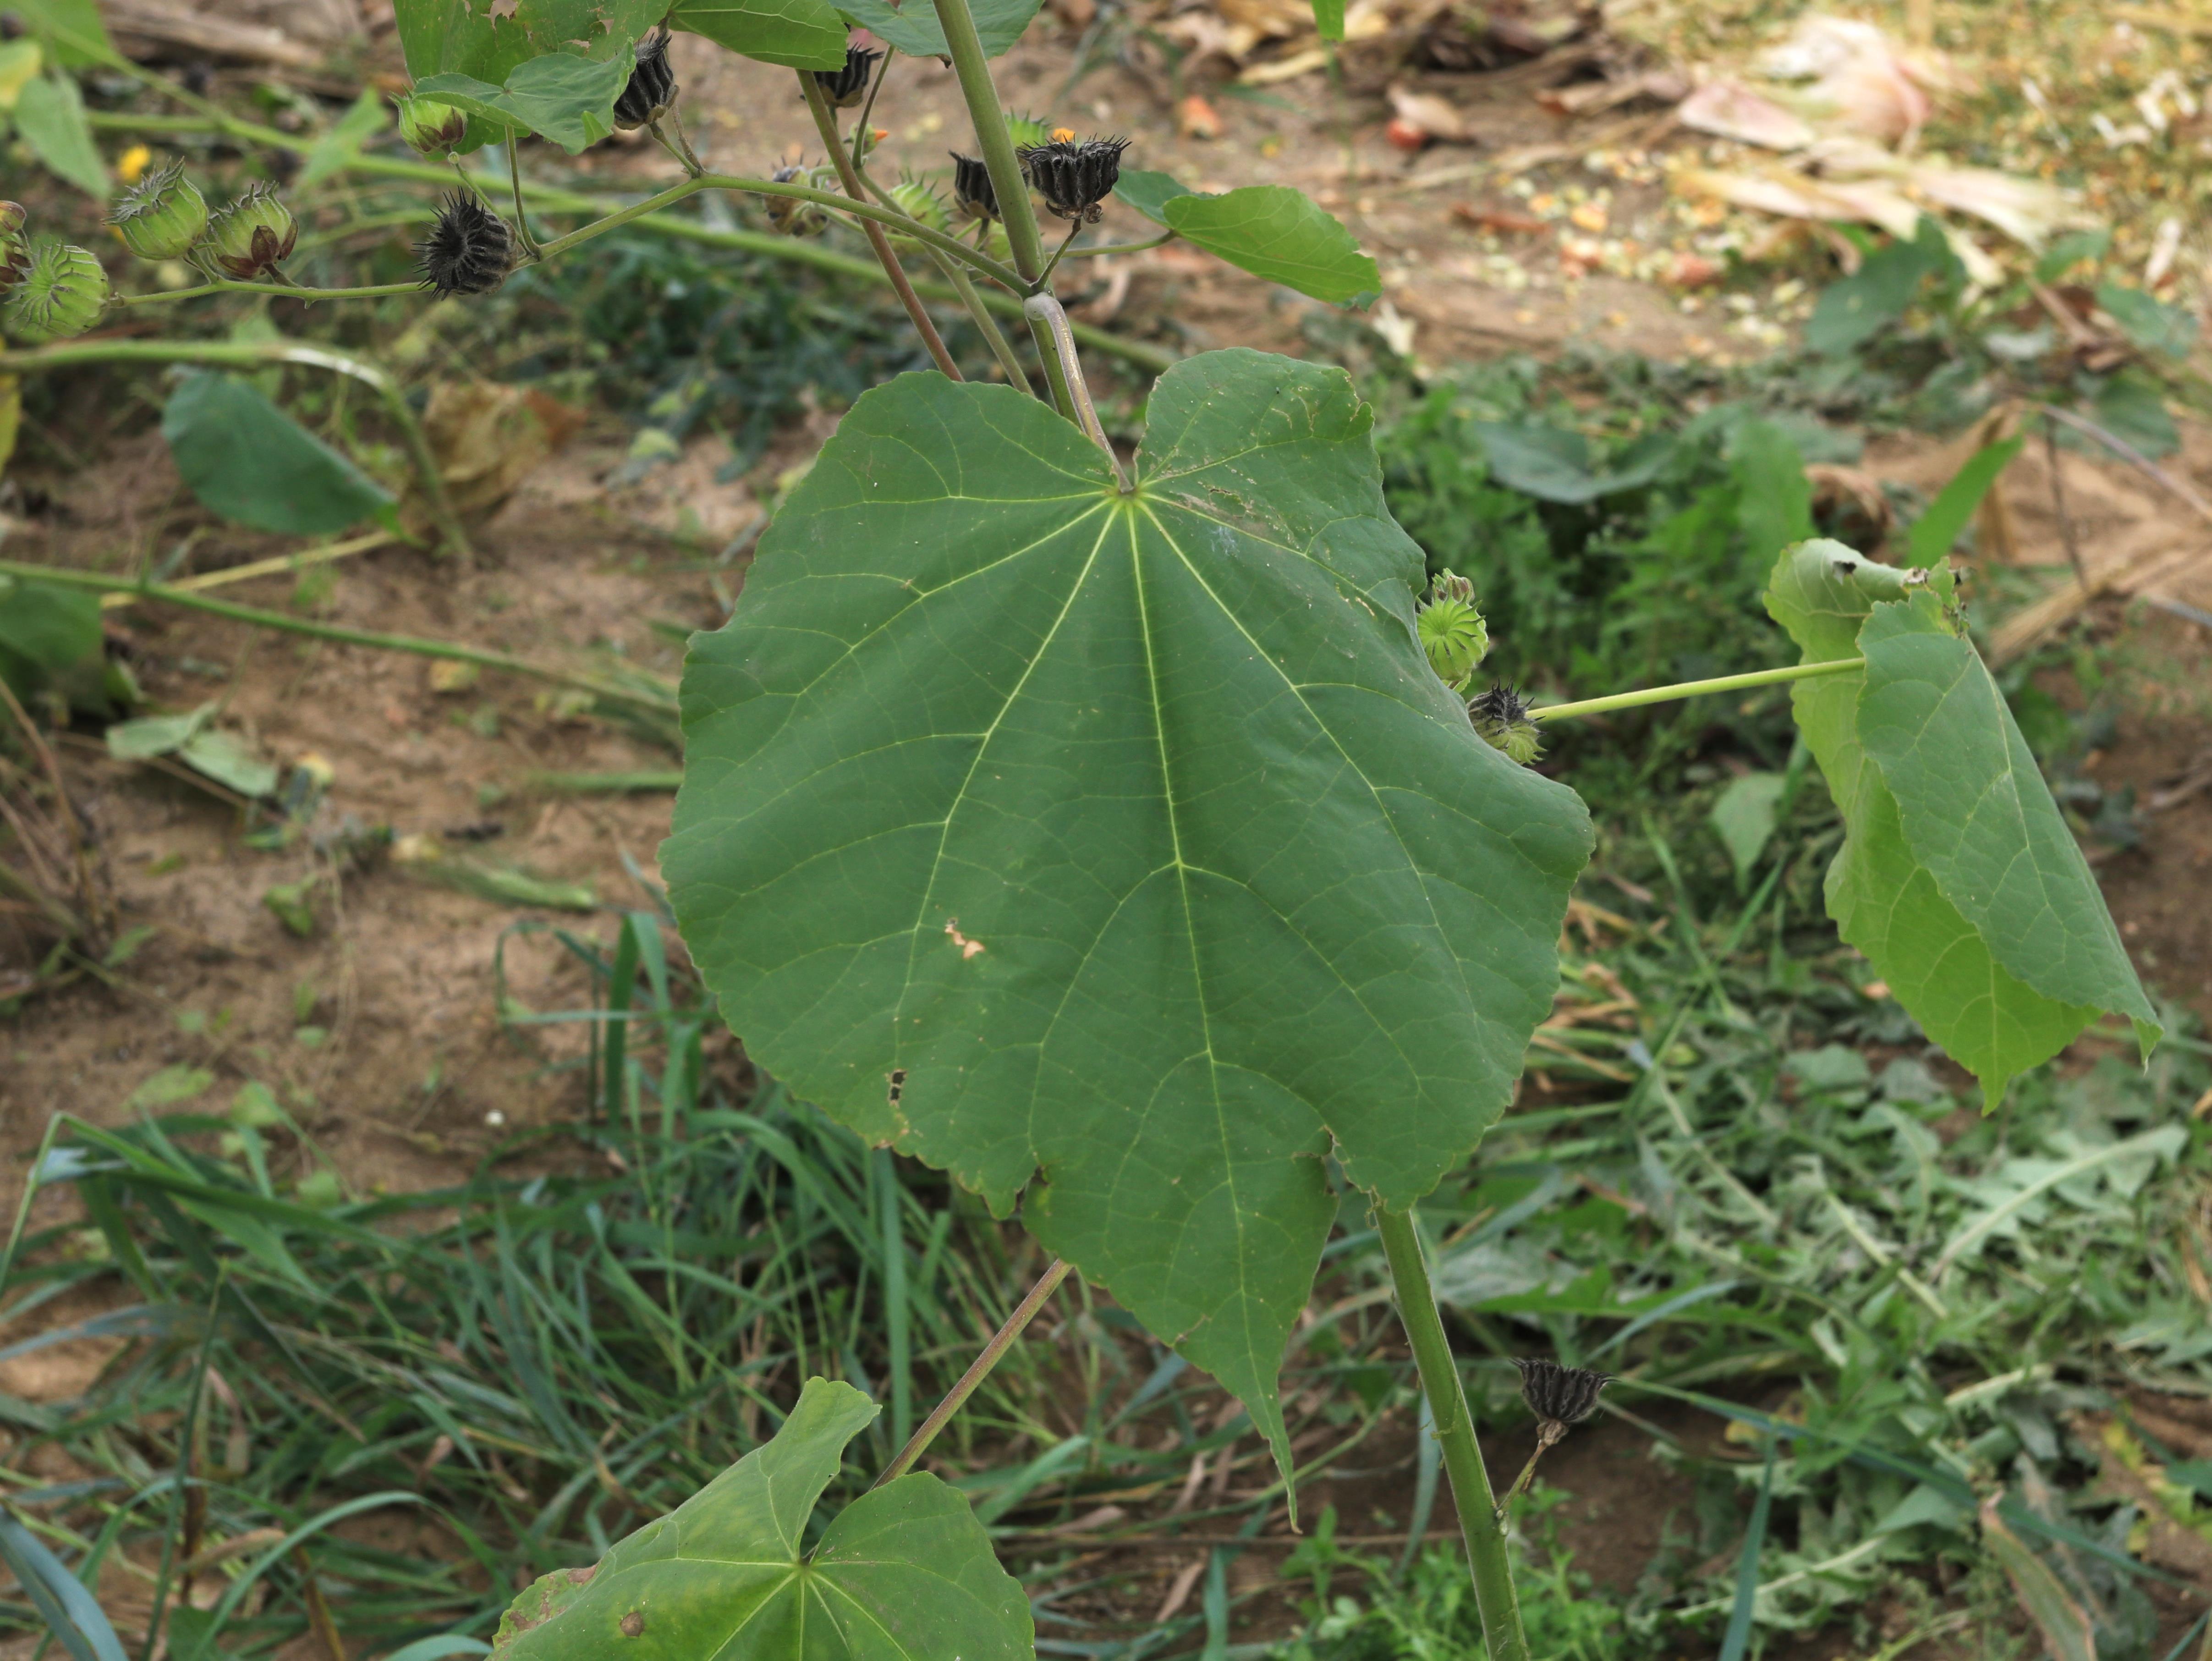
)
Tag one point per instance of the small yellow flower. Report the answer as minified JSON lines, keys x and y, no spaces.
{"x":132,"y":162}
{"x":1062,"y":135}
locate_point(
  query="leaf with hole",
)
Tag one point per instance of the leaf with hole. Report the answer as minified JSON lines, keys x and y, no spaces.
{"x":565,"y":99}
{"x":1957,"y":877}
{"x":1131,"y":835}
{"x":905,"y":1571}
{"x":800,"y":34}
{"x":913,"y":28}
{"x":248,"y":461}
{"x":1270,"y":231}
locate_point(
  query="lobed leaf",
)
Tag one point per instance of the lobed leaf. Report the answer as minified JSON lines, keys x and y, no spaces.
{"x":800,"y":34}
{"x":905,"y":1570}
{"x":1957,"y":877}
{"x":1272,"y":231}
{"x":913,"y":29}
{"x":1123,"y":842}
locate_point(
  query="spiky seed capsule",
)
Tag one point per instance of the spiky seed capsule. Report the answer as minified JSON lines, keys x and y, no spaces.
{"x":254,"y":234}
{"x":1559,"y":1394}
{"x":652,"y":88}
{"x":1501,"y":715}
{"x":846,"y":88}
{"x":788,"y":214}
{"x":470,"y":249}
{"x":918,"y":201}
{"x":61,"y":295}
{"x":15,"y":250}
{"x":1074,"y":179}
{"x":162,"y":217}
{"x":1452,"y":631}
{"x":972,"y":193}
{"x":431,"y":128}
{"x":1026,"y":129}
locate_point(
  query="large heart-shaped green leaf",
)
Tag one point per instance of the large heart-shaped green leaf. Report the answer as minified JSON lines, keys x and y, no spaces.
{"x":1272,"y":231}
{"x":1034,"y":826}
{"x":1957,"y":877}
{"x":247,"y":460}
{"x":905,"y":1571}
{"x":913,"y":29}
{"x":800,"y":34}
{"x":488,"y":39}
{"x":560,"y":96}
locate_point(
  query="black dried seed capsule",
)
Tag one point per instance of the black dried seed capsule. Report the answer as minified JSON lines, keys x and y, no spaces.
{"x":469,"y":250}
{"x":972,"y":193}
{"x":651,"y":87}
{"x":1556,"y":1395}
{"x":846,"y":88}
{"x":1074,"y":178}
{"x":1501,"y":715}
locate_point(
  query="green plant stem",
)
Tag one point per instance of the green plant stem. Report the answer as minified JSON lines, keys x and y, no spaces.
{"x":252,"y":354}
{"x":663,"y":700}
{"x":290,"y":290}
{"x":513,"y":149}
{"x":825,"y":123}
{"x":991,"y":136}
{"x":797,"y":251}
{"x":1043,"y":308}
{"x":1480,"y":1523}
{"x":978,"y":1369}
{"x":1691,"y":689}
{"x":1159,"y":241}
{"x":978,"y":313}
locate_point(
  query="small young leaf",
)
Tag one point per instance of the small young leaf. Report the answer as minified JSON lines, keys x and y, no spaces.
{"x":50,"y":115}
{"x":798,"y":34}
{"x":2069,"y":251}
{"x":1328,"y":19}
{"x":904,"y":1571}
{"x":1957,"y":877}
{"x":71,"y":30}
{"x":1552,"y":464}
{"x":1934,"y":530}
{"x":1852,"y":311}
{"x":1282,"y":234}
{"x":50,"y":628}
{"x":248,"y":461}
{"x":568,"y":100}
{"x":2149,"y":321}
{"x":1149,"y":193}
{"x":1743,"y":816}
{"x":913,"y":29}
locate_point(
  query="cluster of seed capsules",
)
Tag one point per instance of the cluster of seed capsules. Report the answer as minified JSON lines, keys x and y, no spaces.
{"x":57,"y":290}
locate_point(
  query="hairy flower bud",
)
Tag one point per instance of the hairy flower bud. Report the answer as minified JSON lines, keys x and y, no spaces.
{"x":1452,"y":631}
{"x":162,"y":217}
{"x":470,"y":249}
{"x":15,"y":250}
{"x":253,"y":236}
{"x":62,"y":294}
{"x":788,"y":214}
{"x":918,"y":201}
{"x":652,"y":88}
{"x":1072,"y":178}
{"x":1501,"y":715}
{"x":431,"y":128}
{"x":972,"y":193}
{"x":846,"y":88}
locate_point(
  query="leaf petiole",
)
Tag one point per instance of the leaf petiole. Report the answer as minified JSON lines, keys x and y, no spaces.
{"x":1691,"y":689}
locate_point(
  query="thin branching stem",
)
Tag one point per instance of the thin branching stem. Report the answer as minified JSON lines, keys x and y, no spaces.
{"x":1052,"y":265}
{"x":514,"y":148}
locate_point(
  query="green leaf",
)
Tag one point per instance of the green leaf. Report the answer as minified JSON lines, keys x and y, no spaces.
{"x":52,"y":628}
{"x":1852,"y":311}
{"x":913,"y":29}
{"x":1774,"y":499}
{"x":169,"y":1087}
{"x":1743,"y":816}
{"x":368,"y":116}
{"x":904,"y":1571}
{"x":1957,"y":877}
{"x":1935,"y":530}
{"x":1328,"y":19}
{"x":1553,"y":463}
{"x":154,"y":735}
{"x":248,"y":461}
{"x":489,"y":39}
{"x":224,"y":759}
{"x":1028,"y":824}
{"x":1149,"y":193}
{"x":2069,"y":251}
{"x":800,"y":34}
{"x":2147,"y":320}
{"x":71,"y":31}
{"x":2064,"y":1626}
{"x":565,"y":99}
{"x":20,"y":62}
{"x":50,"y":115}
{"x":2131,"y":406}
{"x":1281,"y":235}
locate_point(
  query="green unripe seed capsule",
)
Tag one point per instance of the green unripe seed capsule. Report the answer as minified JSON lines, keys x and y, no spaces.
{"x":162,"y":217}
{"x":430,"y":128}
{"x":1452,"y":631}
{"x":918,"y":201}
{"x":1501,"y":715}
{"x":252,"y":236}
{"x":788,"y":213}
{"x":61,"y":295}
